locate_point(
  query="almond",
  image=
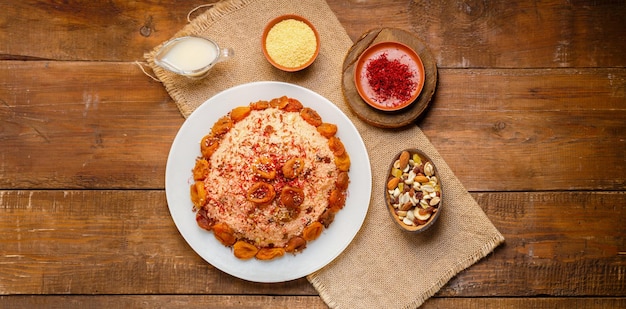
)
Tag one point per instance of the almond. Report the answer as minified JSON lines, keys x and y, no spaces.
{"x":393,"y":183}
{"x":421,"y":179}
{"x":404,"y":159}
{"x":406,"y":206}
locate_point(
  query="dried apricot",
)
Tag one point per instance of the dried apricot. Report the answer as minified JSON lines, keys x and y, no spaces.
{"x":343,"y":162}
{"x":244,"y":250}
{"x":336,"y":146}
{"x":259,"y":105}
{"x":222,"y":126}
{"x":269,"y":253}
{"x":201,"y":169}
{"x":264,"y":168}
{"x":203,"y":219}
{"x":261,"y":193}
{"x":342,"y":180}
{"x":336,"y":200}
{"x":198,"y":194}
{"x":239,"y":113}
{"x":311,"y":116}
{"x":293,"y":105}
{"x":327,"y":129}
{"x":312,"y":231}
{"x":208,"y":145}
{"x":327,"y":217}
{"x":295,"y":244}
{"x":224,"y":234}
{"x":291,"y":197}
{"x":279,"y":103}
{"x":293,"y":167}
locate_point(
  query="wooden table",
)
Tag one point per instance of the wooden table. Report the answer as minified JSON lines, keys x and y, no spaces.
{"x":530,"y":114}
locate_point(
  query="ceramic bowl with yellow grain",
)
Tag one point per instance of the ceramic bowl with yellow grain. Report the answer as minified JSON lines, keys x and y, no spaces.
{"x":290,"y":42}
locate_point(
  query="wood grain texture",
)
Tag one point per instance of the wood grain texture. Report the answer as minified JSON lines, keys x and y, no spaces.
{"x":513,"y":34}
{"x":78,"y":242}
{"x":529,"y":113}
{"x":556,"y":127}
{"x":95,"y":30}
{"x":461,"y":34}
{"x":295,"y":302}
{"x":94,"y":125}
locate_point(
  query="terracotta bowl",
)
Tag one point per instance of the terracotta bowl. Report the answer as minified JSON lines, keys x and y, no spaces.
{"x":385,"y":99}
{"x":275,"y":21}
{"x":409,"y":191}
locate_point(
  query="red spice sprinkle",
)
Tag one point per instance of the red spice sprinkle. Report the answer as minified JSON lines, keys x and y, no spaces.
{"x":390,"y":79}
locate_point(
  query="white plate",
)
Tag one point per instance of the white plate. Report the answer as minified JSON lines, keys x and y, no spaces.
{"x":178,"y":177}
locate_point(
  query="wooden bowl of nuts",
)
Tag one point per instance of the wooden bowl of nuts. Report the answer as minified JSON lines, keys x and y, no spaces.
{"x":413,"y":192}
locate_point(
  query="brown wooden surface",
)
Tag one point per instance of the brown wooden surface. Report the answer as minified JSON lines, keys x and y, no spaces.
{"x":529,"y":112}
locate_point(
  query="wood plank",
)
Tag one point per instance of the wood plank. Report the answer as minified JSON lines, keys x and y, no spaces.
{"x":466,"y":34}
{"x":295,"y":302}
{"x":95,"y":125}
{"x":561,"y":129}
{"x":556,"y":244}
{"x":511,"y":34}
{"x":67,"y":242}
{"x":163,"y":301}
{"x":565,"y":127}
{"x":79,"y":242}
{"x":514,"y":303}
{"x":358,"y":17}
{"x":95,"y":30}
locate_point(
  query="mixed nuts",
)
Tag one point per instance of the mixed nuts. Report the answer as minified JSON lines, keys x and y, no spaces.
{"x":413,"y":190}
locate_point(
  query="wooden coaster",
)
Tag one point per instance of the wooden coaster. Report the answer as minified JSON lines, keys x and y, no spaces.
{"x":373,"y":116}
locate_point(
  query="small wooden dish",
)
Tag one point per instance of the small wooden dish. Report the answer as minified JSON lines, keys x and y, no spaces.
{"x":422,"y":216}
{"x":375,"y":117}
{"x":393,"y":52}
{"x":269,"y":27}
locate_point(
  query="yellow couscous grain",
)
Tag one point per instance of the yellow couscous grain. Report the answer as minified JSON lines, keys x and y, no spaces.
{"x":291,"y":43}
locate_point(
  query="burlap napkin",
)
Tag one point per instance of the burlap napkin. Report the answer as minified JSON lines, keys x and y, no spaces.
{"x":383,"y":267}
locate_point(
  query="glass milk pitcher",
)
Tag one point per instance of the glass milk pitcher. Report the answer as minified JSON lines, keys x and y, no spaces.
{"x":191,"y":56}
